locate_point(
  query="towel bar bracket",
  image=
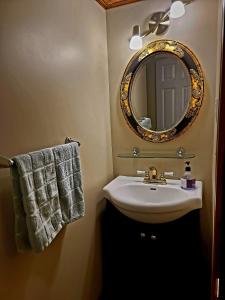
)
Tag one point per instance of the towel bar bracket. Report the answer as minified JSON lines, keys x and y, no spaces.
{"x":70,"y":140}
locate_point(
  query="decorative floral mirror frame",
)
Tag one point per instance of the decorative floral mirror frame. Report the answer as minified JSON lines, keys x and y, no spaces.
{"x":197,"y":85}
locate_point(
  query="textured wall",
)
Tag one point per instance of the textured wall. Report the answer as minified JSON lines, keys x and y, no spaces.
{"x":198,"y":30}
{"x":54,"y":83}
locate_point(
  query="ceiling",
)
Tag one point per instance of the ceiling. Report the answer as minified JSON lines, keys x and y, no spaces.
{"x":113,"y":3}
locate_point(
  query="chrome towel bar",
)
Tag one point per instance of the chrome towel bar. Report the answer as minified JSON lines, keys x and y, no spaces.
{"x":6,"y":162}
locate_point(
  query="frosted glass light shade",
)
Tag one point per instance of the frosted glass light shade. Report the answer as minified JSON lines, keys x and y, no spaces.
{"x":136,"y":42}
{"x":177,"y":10}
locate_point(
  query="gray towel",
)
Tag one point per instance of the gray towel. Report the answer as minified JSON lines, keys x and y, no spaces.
{"x":47,"y":194}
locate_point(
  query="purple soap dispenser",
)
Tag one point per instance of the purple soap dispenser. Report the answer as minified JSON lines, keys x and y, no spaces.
{"x":188,"y":181}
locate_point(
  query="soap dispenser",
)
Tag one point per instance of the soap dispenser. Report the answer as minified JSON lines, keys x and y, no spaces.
{"x":188,"y":181}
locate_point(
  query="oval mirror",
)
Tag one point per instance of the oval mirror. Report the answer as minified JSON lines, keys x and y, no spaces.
{"x":162,"y":90}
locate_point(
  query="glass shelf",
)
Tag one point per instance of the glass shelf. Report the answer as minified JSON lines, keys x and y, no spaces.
{"x":179,"y":154}
{"x":156,"y":155}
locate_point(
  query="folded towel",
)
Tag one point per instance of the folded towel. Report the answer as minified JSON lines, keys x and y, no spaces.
{"x":47,"y":194}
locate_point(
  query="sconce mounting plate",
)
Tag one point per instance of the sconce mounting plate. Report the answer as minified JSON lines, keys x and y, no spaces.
{"x":159,"y":23}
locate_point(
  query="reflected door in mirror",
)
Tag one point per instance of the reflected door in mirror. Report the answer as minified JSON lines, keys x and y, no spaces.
{"x":161,"y":92}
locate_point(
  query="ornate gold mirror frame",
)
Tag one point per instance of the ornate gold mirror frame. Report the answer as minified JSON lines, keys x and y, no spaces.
{"x":197,"y":86}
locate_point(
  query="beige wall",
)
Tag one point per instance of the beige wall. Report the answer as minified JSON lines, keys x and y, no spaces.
{"x":54,"y":83}
{"x":198,"y":30}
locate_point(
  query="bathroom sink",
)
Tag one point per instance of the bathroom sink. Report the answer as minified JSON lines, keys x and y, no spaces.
{"x":152,"y":203}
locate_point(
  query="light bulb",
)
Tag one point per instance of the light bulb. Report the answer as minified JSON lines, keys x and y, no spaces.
{"x":136,"y":42}
{"x":177,"y":9}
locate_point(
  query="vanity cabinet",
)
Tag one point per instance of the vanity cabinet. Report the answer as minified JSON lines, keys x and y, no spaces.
{"x":152,"y":261}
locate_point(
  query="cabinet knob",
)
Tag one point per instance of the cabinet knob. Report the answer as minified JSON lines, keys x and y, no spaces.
{"x":143,"y":235}
{"x":153,"y":237}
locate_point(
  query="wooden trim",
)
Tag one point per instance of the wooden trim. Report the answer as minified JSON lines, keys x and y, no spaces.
{"x":102,"y":3}
{"x":107,"y":4}
{"x":219,"y":216}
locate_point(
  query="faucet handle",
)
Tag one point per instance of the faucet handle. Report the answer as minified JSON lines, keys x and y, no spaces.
{"x":141,"y":173}
{"x":147,"y":175}
{"x":170,"y":174}
{"x":144,"y":174}
{"x":162,"y":176}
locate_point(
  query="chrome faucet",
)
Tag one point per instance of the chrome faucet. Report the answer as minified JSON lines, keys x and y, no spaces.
{"x":151,"y":176}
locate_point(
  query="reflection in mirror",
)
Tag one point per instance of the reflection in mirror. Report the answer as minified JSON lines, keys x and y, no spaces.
{"x":160,"y":92}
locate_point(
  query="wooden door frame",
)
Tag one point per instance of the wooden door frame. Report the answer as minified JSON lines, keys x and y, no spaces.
{"x":219,"y":214}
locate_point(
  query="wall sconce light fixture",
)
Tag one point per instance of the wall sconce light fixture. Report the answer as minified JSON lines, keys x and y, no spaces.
{"x":159,"y":23}
{"x":136,"y":41}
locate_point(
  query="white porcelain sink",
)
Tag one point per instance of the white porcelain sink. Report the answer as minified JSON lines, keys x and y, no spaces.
{"x":151,"y":203}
